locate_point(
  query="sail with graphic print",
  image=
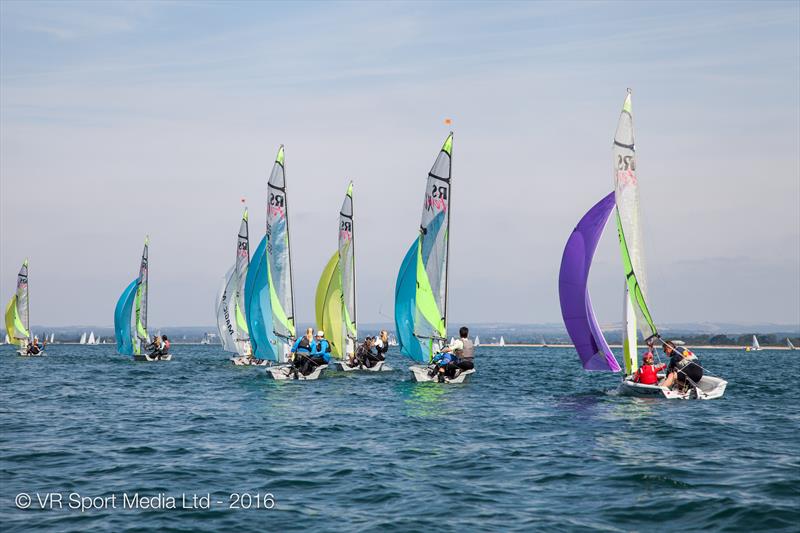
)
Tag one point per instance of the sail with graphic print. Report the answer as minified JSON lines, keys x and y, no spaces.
{"x":336,"y":291}
{"x":576,"y":306}
{"x":17,"y":316}
{"x":422,"y":283}
{"x":231,"y":316}
{"x":130,"y":314}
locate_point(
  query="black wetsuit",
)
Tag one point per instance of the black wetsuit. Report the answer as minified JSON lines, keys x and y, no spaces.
{"x":686,"y":368}
{"x":364,"y":356}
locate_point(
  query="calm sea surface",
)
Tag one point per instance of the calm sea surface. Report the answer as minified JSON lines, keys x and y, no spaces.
{"x":532,"y":443}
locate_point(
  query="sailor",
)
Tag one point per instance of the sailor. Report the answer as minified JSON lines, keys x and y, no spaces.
{"x":648,"y":373}
{"x":154,"y":346}
{"x":365,"y":356}
{"x":440,"y":363}
{"x":33,"y":347}
{"x":320,"y":354}
{"x":301,"y":349}
{"x":164,"y":346}
{"x":684,"y":366}
{"x":382,"y":345}
{"x":464,"y":352}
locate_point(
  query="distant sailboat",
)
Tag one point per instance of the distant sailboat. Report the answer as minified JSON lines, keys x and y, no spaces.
{"x":83,"y":338}
{"x":8,"y":341}
{"x":502,"y":341}
{"x":90,"y":340}
{"x":789,"y":344}
{"x":544,"y":343}
{"x":130,"y":315}
{"x":52,"y":338}
{"x":755,"y":346}
{"x":231,"y":321}
{"x":420,"y":304}
{"x":17,"y":318}
{"x":477,"y":341}
{"x":576,"y":307}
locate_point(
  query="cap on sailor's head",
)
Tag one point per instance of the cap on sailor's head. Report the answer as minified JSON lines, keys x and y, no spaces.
{"x":320,"y":333}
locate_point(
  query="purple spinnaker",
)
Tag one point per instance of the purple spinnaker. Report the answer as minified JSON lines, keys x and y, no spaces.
{"x":573,"y":290}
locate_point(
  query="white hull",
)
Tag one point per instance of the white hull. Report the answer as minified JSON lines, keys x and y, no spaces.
{"x":244,"y":360}
{"x":147,"y":358}
{"x":380,"y":366}
{"x":420,"y":374}
{"x":287,"y":372}
{"x":23,"y":353}
{"x":709,"y":388}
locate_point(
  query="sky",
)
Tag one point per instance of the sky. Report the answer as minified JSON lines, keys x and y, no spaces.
{"x":130,"y":118}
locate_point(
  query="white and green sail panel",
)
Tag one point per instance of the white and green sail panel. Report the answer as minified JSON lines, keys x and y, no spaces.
{"x":140,"y":302}
{"x":628,"y":218}
{"x":17,"y":316}
{"x":347,"y":267}
{"x":230,"y":311}
{"x":279,"y":265}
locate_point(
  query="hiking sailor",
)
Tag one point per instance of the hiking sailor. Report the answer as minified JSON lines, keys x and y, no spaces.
{"x":320,"y":354}
{"x":683,"y":367}
{"x":464,"y":351}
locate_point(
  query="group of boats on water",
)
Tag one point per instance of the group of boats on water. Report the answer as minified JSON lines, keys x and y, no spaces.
{"x":255,"y":306}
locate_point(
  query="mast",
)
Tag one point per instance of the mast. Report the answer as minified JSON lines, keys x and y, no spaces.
{"x":353,"y":245}
{"x":28,"y":297}
{"x":447,"y":252}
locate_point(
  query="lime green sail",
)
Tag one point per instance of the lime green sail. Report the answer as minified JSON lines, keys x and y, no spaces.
{"x":328,"y":306}
{"x":336,"y":292}
{"x":140,"y":305}
{"x":17,"y":317}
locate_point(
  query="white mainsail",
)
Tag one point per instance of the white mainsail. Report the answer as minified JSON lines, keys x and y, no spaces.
{"x":755,"y":345}
{"x":231,"y":321}
{"x":52,"y":338}
{"x":83,"y":338}
{"x":91,"y":338}
{"x":477,"y":341}
{"x":789,"y":344}
{"x":279,"y":261}
{"x":502,"y":341}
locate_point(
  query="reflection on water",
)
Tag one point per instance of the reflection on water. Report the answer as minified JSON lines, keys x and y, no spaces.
{"x":424,"y":399}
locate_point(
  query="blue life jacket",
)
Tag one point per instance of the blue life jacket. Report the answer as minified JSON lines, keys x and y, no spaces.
{"x":442,"y":358}
{"x":322,"y":349}
{"x":301,"y":346}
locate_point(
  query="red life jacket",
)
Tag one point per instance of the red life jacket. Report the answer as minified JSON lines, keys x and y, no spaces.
{"x":166,"y":346}
{"x":648,"y":374}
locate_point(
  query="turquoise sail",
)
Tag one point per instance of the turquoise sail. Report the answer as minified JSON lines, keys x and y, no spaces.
{"x":122,"y":319}
{"x":258,"y":308}
{"x":405,"y":305}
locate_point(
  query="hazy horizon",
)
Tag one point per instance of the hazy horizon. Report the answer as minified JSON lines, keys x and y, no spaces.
{"x":124,"y":119}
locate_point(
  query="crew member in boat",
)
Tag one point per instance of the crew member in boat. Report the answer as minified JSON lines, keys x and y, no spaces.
{"x":154,"y":346}
{"x":440,"y":363}
{"x":34,"y":348}
{"x":365,"y":356}
{"x":301,"y":349}
{"x":382,"y":345}
{"x":648,"y":373}
{"x":684,"y":367}
{"x":164,"y":347}
{"x":320,"y":354}
{"x":464,"y":351}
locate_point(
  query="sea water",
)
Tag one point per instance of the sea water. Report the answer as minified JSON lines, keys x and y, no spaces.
{"x":533,"y":442}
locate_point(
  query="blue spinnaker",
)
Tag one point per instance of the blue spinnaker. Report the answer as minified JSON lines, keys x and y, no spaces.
{"x":573,"y":290}
{"x":122,"y":319}
{"x":258,"y":309}
{"x":405,"y":306}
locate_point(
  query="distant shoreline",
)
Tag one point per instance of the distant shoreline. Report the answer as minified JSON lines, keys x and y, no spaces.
{"x":699,"y":346}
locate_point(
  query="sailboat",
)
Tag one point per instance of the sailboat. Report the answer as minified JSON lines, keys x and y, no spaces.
{"x":477,"y":341}
{"x":18,"y":317}
{"x":231,"y":321}
{"x":502,"y":341}
{"x":8,"y":340}
{"x":52,"y":338}
{"x":755,"y":346}
{"x":576,"y":307}
{"x":83,"y":338}
{"x":420,"y":301}
{"x":789,"y":344}
{"x":130,"y":315}
{"x":269,"y":298}
{"x":90,"y":340}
